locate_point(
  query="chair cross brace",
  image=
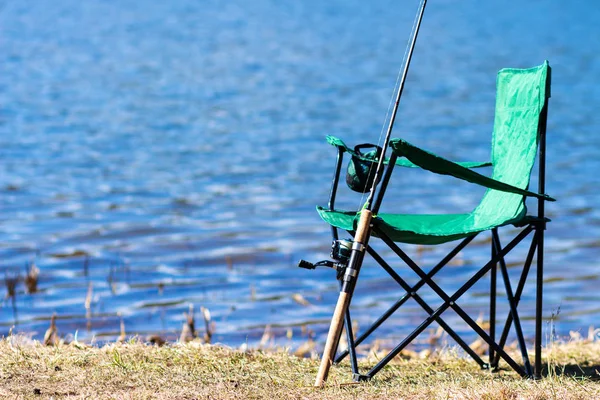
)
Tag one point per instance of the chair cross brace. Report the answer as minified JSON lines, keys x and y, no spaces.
{"x":496,"y":348}
{"x":410,"y":291}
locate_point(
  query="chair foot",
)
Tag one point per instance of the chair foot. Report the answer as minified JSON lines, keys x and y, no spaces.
{"x":490,"y":367}
{"x":360,"y":378}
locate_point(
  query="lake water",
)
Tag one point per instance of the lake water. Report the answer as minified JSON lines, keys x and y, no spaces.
{"x":172,"y":153}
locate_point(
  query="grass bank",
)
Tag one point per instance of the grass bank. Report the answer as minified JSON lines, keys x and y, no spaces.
{"x":196,"y":371}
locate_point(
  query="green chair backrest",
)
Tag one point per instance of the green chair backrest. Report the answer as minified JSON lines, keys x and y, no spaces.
{"x":521,"y":95}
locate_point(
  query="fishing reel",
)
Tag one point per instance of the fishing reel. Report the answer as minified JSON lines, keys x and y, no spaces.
{"x":341,"y":249}
{"x":340,"y":254}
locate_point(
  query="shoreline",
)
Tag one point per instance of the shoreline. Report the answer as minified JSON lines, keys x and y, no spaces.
{"x":194,"y":370}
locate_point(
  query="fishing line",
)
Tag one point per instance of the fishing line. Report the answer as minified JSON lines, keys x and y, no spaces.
{"x":392,"y":98}
{"x":386,"y":140}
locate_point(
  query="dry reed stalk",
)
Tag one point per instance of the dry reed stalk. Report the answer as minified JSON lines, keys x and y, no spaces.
{"x":86,"y":266}
{"x":31,"y":278}
{"x":208,"y":326}
{"x":11,"y":282}
{"x":298,"y":298}
{"x":156,"y":340}
{"x":188,"y":332}
{"x":88,"y":306}
{"x":122,"y":335}
{"x":51,"y":336}
{"x":266,"y":338}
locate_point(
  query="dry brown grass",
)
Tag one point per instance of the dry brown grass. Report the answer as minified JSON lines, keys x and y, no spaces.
{"x":29,"y":370}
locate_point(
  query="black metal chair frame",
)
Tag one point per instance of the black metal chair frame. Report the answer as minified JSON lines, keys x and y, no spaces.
{"x":536,"y":224}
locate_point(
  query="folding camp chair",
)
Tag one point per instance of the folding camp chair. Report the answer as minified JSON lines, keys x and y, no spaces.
{"x":519,"y":128}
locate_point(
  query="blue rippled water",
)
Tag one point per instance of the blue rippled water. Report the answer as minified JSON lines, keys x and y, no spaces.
{"x":171,"y":153}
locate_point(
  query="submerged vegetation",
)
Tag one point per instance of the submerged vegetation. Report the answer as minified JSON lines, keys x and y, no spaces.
{"x":194,"y":370}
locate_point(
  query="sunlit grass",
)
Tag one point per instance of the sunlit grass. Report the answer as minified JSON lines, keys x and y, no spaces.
{"x":195,"y":370}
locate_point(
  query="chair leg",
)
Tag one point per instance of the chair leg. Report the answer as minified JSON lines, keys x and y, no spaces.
{"x":538,"y":302}
{"x":513,"y":306}
{"x":350,"y":340}
{"x":518,"y":293}
{"x":493,"y":286}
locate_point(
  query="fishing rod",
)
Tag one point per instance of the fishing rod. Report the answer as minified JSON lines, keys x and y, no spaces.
{"x":363,"y":231}
{"x":388,"y":134}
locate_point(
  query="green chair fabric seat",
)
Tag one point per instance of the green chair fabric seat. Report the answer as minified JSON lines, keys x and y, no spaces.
{"x":420,"y":228}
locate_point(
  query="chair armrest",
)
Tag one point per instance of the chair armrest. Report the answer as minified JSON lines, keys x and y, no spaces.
{"x":404,"y":162}
{"x":439,"y":165}
{"x":401,"y":162}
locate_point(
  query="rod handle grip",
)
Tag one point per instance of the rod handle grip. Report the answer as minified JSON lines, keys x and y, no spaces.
{"x":333,"y":338}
